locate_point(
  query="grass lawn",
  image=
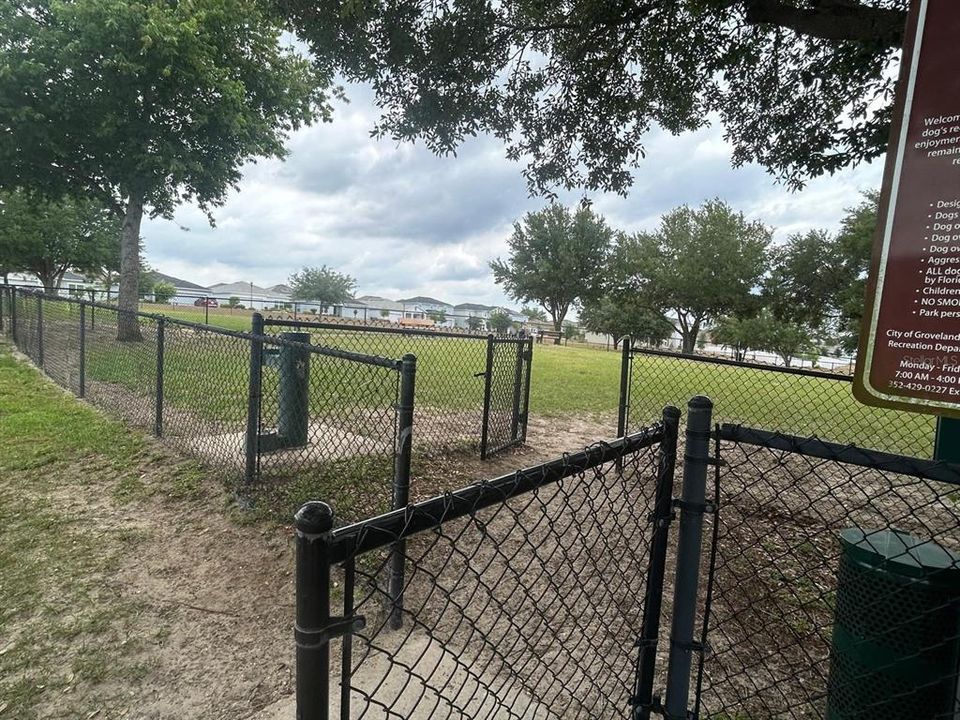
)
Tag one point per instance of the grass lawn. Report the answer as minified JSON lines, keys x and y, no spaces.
{"x":65,"y":644}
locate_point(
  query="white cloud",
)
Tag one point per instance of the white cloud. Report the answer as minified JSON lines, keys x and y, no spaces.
{"x":405,"y":222}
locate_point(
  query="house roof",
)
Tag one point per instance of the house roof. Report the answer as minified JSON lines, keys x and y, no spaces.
{"x":472,"y":306}
{"x":423,"y":300}
{"x":280,"y":289}
{"x":75,"y":278}
{"x":242,"y":289}
{"x":379,"y":303}
{"x":175,"y":281}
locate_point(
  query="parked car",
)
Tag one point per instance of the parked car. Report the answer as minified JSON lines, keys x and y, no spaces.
{"x":209,"y":302}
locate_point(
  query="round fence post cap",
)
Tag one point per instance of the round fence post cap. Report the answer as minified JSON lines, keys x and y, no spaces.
{"x":314,"y":517}
{"x":700,"y":402}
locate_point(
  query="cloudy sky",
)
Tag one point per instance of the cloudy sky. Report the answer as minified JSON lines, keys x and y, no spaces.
{"x":404,"y":222}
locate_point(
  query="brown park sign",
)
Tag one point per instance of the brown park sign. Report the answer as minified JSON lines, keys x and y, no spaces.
{"x":909,"y":354}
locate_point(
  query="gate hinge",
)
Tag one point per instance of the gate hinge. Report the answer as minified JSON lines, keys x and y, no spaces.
{"x":708,"y":506}
{"x":527,"y":355}
{"x":337,"y":627}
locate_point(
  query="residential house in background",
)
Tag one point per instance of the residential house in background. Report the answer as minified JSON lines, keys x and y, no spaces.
{"x":251,"y":296}
{"x":377,"y":307}
{"x":464,"y":311}
{"x":422,"y":307}
{"x":187,"y":292}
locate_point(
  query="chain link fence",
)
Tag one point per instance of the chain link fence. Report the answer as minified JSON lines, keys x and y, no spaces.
{"x":833,"y":583}
{"x":504,"y":599}
{"x":472,"y":390}
{"x":787,"y":577}
{"x":313,"y":413}
{"x":799,"y":402}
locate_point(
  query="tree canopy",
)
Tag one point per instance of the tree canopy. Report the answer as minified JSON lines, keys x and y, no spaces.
{"x":803,"y":88}
{"x":499,"y":322}
{"x":323,"y":285}
{"x":625,"y":314}
{"x":700,"y":264}
{"x":47,"y":238}
{"x":557,"y":257}
{"x":146,"y":104}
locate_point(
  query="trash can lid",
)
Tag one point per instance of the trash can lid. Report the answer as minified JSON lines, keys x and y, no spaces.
{"x":901,"y":553}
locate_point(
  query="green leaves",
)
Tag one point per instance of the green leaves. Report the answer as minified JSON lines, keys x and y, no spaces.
{"x":47,"y":238}
{"x":557,"y":257}
{"x":166,"y":100}
{"x":700,"y":264}
{"x":322,"y":284}
{"x":803,"y":88}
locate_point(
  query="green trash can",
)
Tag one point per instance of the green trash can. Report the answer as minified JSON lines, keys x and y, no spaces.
{"x":895,"y":637}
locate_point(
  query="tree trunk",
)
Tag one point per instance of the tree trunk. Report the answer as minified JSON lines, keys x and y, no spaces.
{"x":128,"y":324}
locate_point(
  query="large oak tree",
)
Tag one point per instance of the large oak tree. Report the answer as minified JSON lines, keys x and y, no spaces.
{"x":699,"y":265}
{"x":804,"y":87}
{"x":145,"y":104}
{"x":557,"y":259}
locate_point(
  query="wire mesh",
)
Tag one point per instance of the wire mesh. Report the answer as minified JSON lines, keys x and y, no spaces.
{"x":206,"y":378}
{"x":451,"y":371}
{"x":796,"y":402}
{"x":800,"y":630}
{"x":505,"y":408}
{"x":325,"y":417}
{"x":526,"y":608}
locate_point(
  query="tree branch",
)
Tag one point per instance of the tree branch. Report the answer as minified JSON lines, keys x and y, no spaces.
{"x":832,"y":20}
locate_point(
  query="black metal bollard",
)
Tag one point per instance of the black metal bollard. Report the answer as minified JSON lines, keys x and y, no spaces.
{"x":253,"y":400}
{"x":313,"y":521}
{"x":656,"y":568}
{"x":401,"y":482}
{"x":692,"y":507}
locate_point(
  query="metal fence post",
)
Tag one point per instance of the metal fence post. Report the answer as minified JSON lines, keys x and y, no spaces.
{"x":626,"y":362}
{"x":313,"y":524}
{"x":3,"y":291}
{"x":526,"y":390}
{"x":82,"y":381}
{"x":40,"y":331}
{"x":642,"y":699}
{"x":253,"y":400}
{"x":692,"y":506}
{"x":487,"y":387}
{"x":401,"y":482}
{"x":13,"y":315}
{"x":517,"y":391}
{"x":158,"y":416}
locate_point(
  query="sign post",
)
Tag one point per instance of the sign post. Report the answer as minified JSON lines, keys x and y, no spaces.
{"x":909,"y":354}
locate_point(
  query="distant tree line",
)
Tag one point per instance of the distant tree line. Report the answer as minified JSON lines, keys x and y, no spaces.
{"x":705,"y":272}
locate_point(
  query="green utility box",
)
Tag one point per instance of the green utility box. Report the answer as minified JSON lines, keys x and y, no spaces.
{"x":292,"y":363}
{"x":895,"y":637}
